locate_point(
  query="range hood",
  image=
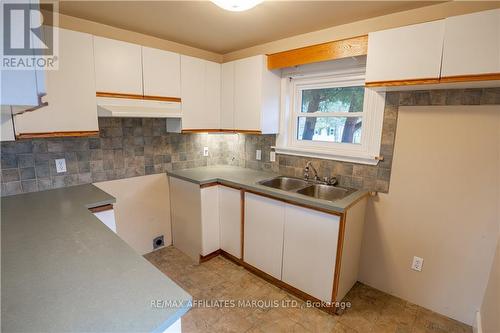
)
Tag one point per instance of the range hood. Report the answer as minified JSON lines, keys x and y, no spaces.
{"x":137,"y":108}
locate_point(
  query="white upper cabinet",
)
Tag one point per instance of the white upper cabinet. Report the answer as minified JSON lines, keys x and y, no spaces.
{"x":161,"y":73}
{"x":7,"y":127}
{"x":256,"y":96}
{"x":406,"y":53}
{"x":227,"y":96}
{"x":200,"y":93}
{"x":472,"y":44}
{"x":70,"y":91}
{"x":118,"y":66}
{"x":24,"y":88}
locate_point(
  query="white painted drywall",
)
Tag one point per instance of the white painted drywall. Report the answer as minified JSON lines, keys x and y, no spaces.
{"x":441,"y":206}
{"x":142,"y":209}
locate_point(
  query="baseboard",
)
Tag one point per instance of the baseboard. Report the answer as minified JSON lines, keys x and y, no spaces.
{"x":477,"y":327}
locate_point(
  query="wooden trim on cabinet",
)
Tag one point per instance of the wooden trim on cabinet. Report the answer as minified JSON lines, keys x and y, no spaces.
{"x":282,"y":285}
{"x":218,"y":130}
{"x":409,"y":82}
{"x":56,"y":134}
{"x":161,"y":98}
{"x":338,"y":258}
{"x":208,"y":185}
{"x":242,"y":223}
{"x":343,"y":48}
{"x":472,"y":77}
{"x":102,"y":208}
{"x":295,"y":203}
{"x":137,"y":96}
{"x":118,"y":95}
{"x":210,"y":256}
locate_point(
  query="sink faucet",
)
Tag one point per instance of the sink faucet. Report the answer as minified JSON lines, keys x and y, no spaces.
{"x":307,"y":168}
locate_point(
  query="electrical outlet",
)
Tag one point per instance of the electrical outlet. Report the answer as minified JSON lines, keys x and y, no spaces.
{"x":205,"y":151}
{"x":60,"y":165}
{"x":272,"y":156}
{"x":258,"y":154}
{"x":417,"y":264}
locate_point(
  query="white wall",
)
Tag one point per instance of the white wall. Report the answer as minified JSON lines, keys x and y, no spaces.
{"x":142,"y":209}
{"x":442,"y":206}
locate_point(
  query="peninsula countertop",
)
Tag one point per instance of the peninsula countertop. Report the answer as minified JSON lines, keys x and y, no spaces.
{"x":249,"y":179}
{"x":65,"y":271}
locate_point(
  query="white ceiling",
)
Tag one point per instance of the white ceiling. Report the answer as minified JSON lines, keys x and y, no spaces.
{"x":204,"y":25}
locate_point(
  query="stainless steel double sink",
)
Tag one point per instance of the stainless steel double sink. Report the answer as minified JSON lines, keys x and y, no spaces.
{"x":308,"y":188}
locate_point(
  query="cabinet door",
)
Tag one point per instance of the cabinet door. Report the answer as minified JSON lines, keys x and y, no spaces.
{"x":161,"y":73}
{"x":7,"y":127}
{"x":248,"y":93}
{"x":309,"y":250}
{"x":227,"y":96}
{"x":406,"y":53}
{"x":209,"y":220}
{"x":263,"y":237}
{"x":210,"y":117}
{"x":230,"y":220}
{"x":472,"y":44}
{"x":118,"y":66}
{"x":70,"y":91}
{"x":192,"y":91}
{"x":200,"y":90}
{"x":23,"y":88}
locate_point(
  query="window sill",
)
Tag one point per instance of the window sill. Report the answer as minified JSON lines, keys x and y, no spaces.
{"x":369,"y":160}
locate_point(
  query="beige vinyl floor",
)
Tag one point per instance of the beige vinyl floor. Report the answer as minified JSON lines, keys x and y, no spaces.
{"x":231,"y":299}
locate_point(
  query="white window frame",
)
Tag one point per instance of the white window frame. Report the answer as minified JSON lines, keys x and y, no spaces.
{"x":366,"y":152}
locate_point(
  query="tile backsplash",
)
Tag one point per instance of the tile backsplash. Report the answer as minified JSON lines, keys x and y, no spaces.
{"x":128,"y":147}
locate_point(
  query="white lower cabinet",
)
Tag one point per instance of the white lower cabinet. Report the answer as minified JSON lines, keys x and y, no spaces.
{"x":230,"y":220}
{"x":209,"y":220}
{"x":310,"y":250}
{"x":263,"y":234}
{"x":108,"y":218}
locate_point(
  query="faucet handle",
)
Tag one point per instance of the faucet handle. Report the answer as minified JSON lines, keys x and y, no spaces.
{"x":330,"y":180}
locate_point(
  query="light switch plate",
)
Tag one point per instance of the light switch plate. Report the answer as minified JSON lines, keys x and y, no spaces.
{"x":60,"y":165}
{"x":272,"y":156}
{"x":205,"y":151}
{"x":258,"y":154}
{"x":417,"y":264}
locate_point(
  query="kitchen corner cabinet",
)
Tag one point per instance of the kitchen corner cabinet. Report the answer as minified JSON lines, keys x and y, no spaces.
{"x":161,"y":72}
{"x":210,"y":235}
{"x":230,"y":220}
{"x":205,"y":218}
{"x":118,"y":66}
{"x":263,"y":234}
{"x":71,"y":96}
{"x":407,"y":53}
{"x":200,"y":94}
{"x":250,"y":96}
{"x":472,"y":44}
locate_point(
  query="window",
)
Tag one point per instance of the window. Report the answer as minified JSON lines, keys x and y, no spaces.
{"x":331,"y":115}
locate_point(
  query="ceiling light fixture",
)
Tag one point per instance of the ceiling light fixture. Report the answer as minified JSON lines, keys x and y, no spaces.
{"x":236,"y":5}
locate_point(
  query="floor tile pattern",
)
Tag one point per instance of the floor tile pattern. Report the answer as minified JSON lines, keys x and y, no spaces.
{"x":219,"y":282}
